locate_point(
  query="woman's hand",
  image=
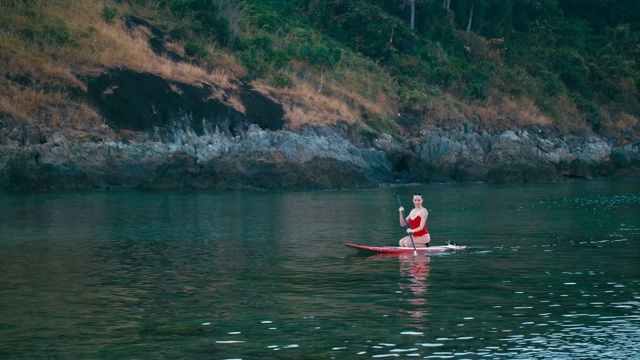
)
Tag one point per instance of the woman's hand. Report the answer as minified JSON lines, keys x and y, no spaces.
{"x":409,"y":231}
{"x":401,"y":209}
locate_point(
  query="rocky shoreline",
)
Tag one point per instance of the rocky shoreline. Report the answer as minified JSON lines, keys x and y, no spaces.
{"x":310,"y":159}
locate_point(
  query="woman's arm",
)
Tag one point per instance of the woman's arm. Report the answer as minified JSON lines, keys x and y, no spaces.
{"x":424,"y":213}
{"x":403,"y":222}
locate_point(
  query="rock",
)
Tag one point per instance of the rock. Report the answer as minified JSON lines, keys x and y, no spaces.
{"x":518,"y":156}
{"x":264,"y":159}
{"x":626,"y":157}
{"x":59,"y":139}
{"x":257,"y":159}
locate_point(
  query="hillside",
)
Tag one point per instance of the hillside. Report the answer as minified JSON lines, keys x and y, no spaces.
{"x":545,"y":63}
{"x":293,"y":94}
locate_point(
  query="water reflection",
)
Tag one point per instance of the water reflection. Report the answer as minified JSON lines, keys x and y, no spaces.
{"x":414,"y":273}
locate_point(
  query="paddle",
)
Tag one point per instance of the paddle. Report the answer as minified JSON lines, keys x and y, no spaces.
{"x":406,"y":221}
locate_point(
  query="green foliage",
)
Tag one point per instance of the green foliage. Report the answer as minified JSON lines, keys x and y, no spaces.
{"x":255,"y":66}
{"x":267,"y":21}
{"x":590,"y":110}
{"x":281,"y":80}
{"x":412,"y":98}
{"x":518,"y":82}
{"x":194,"y":49}
{"x":380,"y":126}
{"x":552,"y":86}
{"x":109,"y":14}
{"x":211,"y":19}
{"x":368,"y":133}
{"x":45,"y":30}
{"x":279,"y":58}
{"x":573,"y":70}
{"x":321,"y":54}
{"x":257,"y":53}
{"x":57,"y":33}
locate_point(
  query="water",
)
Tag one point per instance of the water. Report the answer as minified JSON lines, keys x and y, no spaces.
{"x":551,"y":272}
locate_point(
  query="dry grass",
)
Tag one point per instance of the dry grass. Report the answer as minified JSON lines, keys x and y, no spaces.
{"x":570,"y":118}
{"x":232,"y":99}
{"x":627,"y":121}
{"x":176,"y":48}
{"x":620,"y":124}
{"x":343,"y":96}
{"x":38,"y":75}
{"x":225,"y":63}
{"x":510,"y":113}
{"x":53,"y":108}
{"x":449,"y":111}
{"x":303,"y":104}
{"x":115,"y":46}
{"x":20,"y":103}
{"x":111,"y":45}
{"x":525,"y":111}
{"x":19,"y":61}
{"x":77,"y":115}
{"x":52,"y":68}
{"x":619,"y":120}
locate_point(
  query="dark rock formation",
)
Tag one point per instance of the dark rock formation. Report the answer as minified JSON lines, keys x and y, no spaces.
{"x":144,"y":102}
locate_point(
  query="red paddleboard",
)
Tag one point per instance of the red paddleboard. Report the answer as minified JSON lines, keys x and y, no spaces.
{"x":404,"y":250}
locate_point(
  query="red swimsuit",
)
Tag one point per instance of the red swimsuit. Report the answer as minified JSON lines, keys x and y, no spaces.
{"x":414,"y":223}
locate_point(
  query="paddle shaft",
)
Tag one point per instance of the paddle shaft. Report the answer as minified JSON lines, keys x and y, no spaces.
{"x":406,"y":221}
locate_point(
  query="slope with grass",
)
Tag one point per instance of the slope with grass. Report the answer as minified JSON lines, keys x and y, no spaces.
{"x":174,"y":94}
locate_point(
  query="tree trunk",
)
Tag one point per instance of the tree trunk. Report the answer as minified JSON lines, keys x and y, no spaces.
{"x":446,"y":4}
{"x":470,"y":18}
{"x":413,"y":12}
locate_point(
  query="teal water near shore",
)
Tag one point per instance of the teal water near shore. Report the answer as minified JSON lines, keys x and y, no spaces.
{"x":552,"y":272}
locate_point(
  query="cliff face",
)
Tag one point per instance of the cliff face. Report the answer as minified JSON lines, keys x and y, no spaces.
{"x":320,"y":158}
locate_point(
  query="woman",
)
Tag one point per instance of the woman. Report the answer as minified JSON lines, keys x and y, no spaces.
{"x":417,"y":224}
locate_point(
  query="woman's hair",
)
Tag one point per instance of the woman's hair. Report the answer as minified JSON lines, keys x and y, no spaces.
{"x":417,"y":194}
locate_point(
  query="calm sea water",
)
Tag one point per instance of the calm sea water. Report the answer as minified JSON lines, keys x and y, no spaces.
{"x":552,"y":272}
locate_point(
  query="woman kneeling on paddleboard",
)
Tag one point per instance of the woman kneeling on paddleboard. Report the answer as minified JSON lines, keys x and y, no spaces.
{"x":417,"y":222}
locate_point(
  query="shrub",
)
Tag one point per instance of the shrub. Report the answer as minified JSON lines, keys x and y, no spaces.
{"x":109,"y":14}
{"x":194,"y":49}
{"x":281,"y":80}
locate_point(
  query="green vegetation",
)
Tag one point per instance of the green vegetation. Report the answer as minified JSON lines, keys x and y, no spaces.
{"x":571,"y":64}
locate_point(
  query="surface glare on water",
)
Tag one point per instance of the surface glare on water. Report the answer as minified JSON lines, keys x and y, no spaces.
{"x":551,"y":272}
